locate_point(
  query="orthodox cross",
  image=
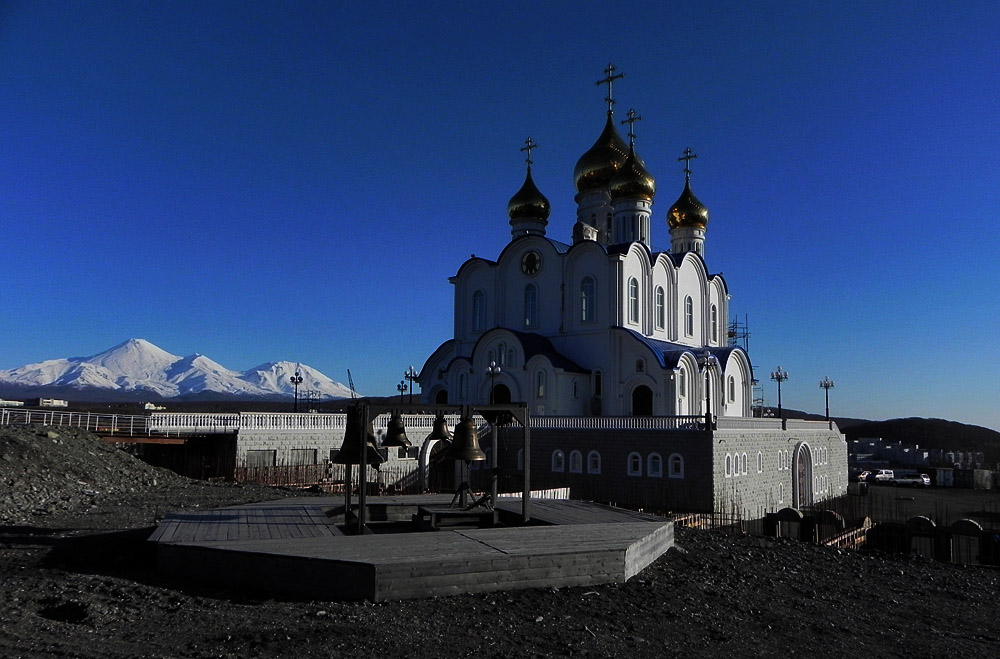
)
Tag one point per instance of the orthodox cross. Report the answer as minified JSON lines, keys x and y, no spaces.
{"x":687,"y":158}
{"x":528,"y":146}
{"x":632,"y":118}
{"x":611,"y":77}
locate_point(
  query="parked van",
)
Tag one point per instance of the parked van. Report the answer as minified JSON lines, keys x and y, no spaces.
{"x":881,"y":476}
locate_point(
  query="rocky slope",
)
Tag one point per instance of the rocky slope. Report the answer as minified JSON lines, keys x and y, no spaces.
{"x":68,"y":591}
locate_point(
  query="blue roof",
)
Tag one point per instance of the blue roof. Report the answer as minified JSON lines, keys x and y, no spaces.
{"x":669,"y":354}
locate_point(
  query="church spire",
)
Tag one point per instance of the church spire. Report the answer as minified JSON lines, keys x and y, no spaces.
{"x":609,"y":78}
{"x":688,"y":217}
{"x":528,"y":209}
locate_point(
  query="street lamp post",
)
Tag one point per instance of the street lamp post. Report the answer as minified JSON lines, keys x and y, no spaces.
{"x":410,"y":375}
{"x":493,"y":371}
{"x":779,"y":376}
{"x":296,"y":380}
{"x":401,"y":388}
{"x":827,"y":384}
{"x":705,"y":360}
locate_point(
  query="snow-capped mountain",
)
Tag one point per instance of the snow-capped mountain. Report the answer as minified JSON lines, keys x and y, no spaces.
{"x":138,"y":365}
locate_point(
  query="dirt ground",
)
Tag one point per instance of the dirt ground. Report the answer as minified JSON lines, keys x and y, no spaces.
{"x":76,"y":580}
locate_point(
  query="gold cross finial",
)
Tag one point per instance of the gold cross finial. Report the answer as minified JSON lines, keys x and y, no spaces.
{"x":609,"y":72}
{"x":632,"y":118}
{"x":687,"y":158}
{"x":529,"y":144}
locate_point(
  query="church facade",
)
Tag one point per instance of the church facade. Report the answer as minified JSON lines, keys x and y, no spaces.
{"x":601,"y":325}
{"x":622,"y":355}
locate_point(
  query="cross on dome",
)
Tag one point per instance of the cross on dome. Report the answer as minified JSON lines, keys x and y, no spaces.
{"x":609,"y":72}
{"x":632,"y":118}
{"x":687,"y":158}
{"x":529,"y":144}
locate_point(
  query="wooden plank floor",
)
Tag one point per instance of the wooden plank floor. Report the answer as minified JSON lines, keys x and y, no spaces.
{"x":291,"y":547}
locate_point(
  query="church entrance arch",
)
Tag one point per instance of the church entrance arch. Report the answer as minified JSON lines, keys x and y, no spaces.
{"x":442,"y":397}
{"x":501,"y":395}
{"x":802,"y":479}
{"x":642,"y":401}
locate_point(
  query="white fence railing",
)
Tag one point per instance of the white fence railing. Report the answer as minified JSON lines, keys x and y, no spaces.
{"x":115,"y":424}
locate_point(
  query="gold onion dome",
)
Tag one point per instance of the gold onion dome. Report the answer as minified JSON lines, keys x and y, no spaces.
{"x":687,"y":211}
{"x":632,"y":179}
{"x":595,"y":168}
{"x":529,"y":202}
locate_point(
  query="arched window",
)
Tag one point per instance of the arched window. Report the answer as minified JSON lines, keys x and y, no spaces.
{"x":576,"y":390}
{"x":640,"y":366}
{"x":688,"y":316}
{"x":781,"y":492}
{"x":634,"y":464}
{"x":760,"y":462}
{"x":462,"y":390}
{"x":588,"y":300}
{"x":660,"y":313}
{"x":540,"y":384}
{"x":593,"y":462}
{"x":715,"y":324}
{"x":633,"y":300}
{"x":501,"y":355}
{"x":558,"y":460}
{"x":743,"y":464}
{"x":510,"y":357}
{"x":598,"y":385}
{"x":478,"y":311}
{"x":732,"y":389}
{"x":654,"y":465}
{"x":729,"y":465}
{"x":682,"y":382}
{"x":576,"y":462}
{"x":530,"y":306}
{"x":675,"y":465}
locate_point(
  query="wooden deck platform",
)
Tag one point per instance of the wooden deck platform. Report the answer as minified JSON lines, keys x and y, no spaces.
{"x":293,"y":548}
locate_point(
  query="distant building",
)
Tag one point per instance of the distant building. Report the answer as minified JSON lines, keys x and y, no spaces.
{"x":52,"y":402}
{"x":11,"y":403}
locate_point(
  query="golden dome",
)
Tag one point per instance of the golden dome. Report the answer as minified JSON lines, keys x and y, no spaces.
{"x":687,"y":211}
{"x":528,"y":202}
{"x":595,"y":168}
{"x":632,"y":179}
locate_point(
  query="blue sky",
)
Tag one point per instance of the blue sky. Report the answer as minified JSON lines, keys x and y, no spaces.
{"x":259,"y":181}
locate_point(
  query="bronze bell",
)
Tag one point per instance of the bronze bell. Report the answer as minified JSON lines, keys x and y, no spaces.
{"x":350,"y":450}
{"x":395,"y":433}
{"x":440,"y":432}
{"x":465,"y":446}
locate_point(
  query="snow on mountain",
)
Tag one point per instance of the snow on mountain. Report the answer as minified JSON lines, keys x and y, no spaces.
{"x":138,"y":365}
{"x":277,"y":376}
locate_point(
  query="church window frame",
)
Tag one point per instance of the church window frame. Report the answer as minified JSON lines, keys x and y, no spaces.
{"x":462,"y":387}
{"x":598,"y":383}
{"x":654,"y":465}
{"x":729,"y":465}
{"x":640,"y":366}
{"x":558,"y":461}
{"x":594,"y":463}
{"x":682,"y":382}
{"x":575,"y":462}
{"x":660,"y":304}
{"x":781,"y":492}
{"x":633,"y":300}
{"x":501,"y":354}
{"x":760,"y":462}
{"x":531,"y":306}
{"x":540,"y":382}
{"x":715,"y":324}
{"x":675,"y":466}
{"x":633,"y":464}
{"x":688,"y":316}
{"x":478,"y":311}
{"x":732,"y":389}
{"x":743,"y":464}
{"x":588,"y":300}
{"x":510,"y":357}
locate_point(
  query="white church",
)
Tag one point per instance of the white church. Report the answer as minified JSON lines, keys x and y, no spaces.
{"x":601,"y":325}
{"x":621,"y":353}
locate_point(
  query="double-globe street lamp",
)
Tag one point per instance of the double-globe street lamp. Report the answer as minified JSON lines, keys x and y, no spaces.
{"x":411,"y":375}
{"x":296,"y":380}
{"x":779,"y":376}
{"x":493,"y":371}
{"x":401,"y":388}
{"x":827,"y":384}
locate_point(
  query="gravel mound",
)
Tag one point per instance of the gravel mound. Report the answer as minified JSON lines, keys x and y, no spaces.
{"x":68,"y":591}
{"x":67,"y":477}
